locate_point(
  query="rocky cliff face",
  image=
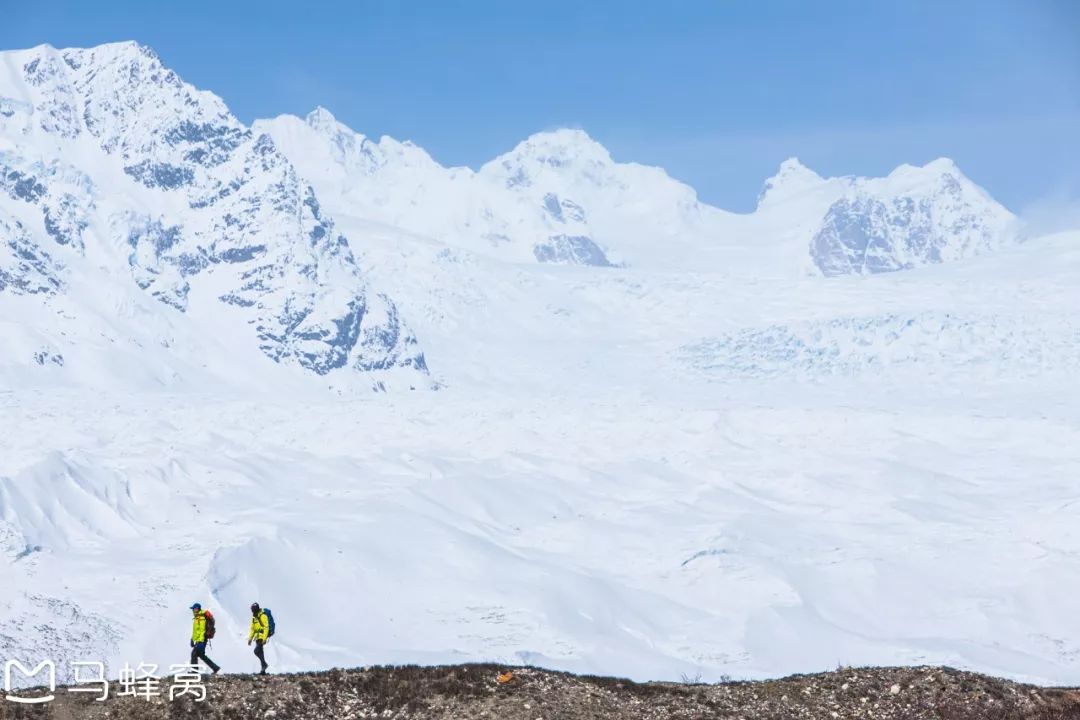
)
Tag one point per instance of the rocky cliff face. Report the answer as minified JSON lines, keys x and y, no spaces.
{"x":107,"y":158}
{"x":914,"y":216}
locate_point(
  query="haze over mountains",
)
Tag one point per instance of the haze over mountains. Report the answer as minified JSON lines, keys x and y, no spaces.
{"x":666,"y":439}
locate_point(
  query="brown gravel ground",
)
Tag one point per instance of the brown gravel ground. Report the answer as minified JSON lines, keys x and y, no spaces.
{"x":471,"y":691}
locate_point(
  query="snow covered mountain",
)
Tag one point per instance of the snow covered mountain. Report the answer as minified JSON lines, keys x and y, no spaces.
{"x":559,"y":197}
{"x":548,"y":200}
{"x":914,"y":216}
{"x":115,"y":174}
{"x":119,"y":182}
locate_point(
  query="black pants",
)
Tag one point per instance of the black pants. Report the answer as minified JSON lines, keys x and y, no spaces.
{"x":198,"y":652}
{"x":261,"y":653}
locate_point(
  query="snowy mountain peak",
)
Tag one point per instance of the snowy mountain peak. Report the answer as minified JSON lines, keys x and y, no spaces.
{"x":561,"y":140}
{"x":550,"y":151}
{"x":122,"y":49}
{"x":791,"y":179}
{"x":323,"y":122}
{"x":332,"y":155}
{"x":563,"y":145}
{"x":939,"y":166}
{"x":795,"y":167}
{"x":942,"y":164}
{"x":932,"y":170}
{"x":917,"y":215}
{"x":321,"y":117}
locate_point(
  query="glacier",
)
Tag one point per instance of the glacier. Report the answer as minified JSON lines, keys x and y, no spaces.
{"x":667,"y":439}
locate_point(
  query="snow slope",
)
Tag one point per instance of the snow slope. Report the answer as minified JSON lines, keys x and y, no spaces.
{"x":589,"y":495}
{"x":707,"y":455}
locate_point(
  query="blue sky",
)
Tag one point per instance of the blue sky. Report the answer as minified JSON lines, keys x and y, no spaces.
{"x":716,"y":91}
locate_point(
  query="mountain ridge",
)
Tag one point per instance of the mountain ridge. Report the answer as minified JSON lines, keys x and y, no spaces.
{"x":560,"y":186}
{"x":110,"y":159}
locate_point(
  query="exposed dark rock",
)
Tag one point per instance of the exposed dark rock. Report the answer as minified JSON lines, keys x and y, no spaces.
{"x":65,"y":221}
{"x":27,"y":269}
{"x":236,"y":255}
{"x":571,"y":249}
{"x":160,"y":174}
{"x":21,"y":186}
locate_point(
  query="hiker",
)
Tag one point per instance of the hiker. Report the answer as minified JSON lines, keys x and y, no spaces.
{"x":202,"y":630}
{"x":260,"y":633}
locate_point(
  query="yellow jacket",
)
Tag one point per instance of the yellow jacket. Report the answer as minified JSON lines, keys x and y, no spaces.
{"x":260,"y":628}
{"x":198,"y":627}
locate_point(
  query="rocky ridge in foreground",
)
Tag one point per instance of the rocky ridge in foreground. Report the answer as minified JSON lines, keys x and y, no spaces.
{"x":474,"y":691}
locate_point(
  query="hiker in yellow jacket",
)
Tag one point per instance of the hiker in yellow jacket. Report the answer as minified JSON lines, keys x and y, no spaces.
{"x":260,"y":633}
{"x":201,"y":631}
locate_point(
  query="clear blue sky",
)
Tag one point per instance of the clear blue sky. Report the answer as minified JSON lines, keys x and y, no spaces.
{"x":716,"y":91}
